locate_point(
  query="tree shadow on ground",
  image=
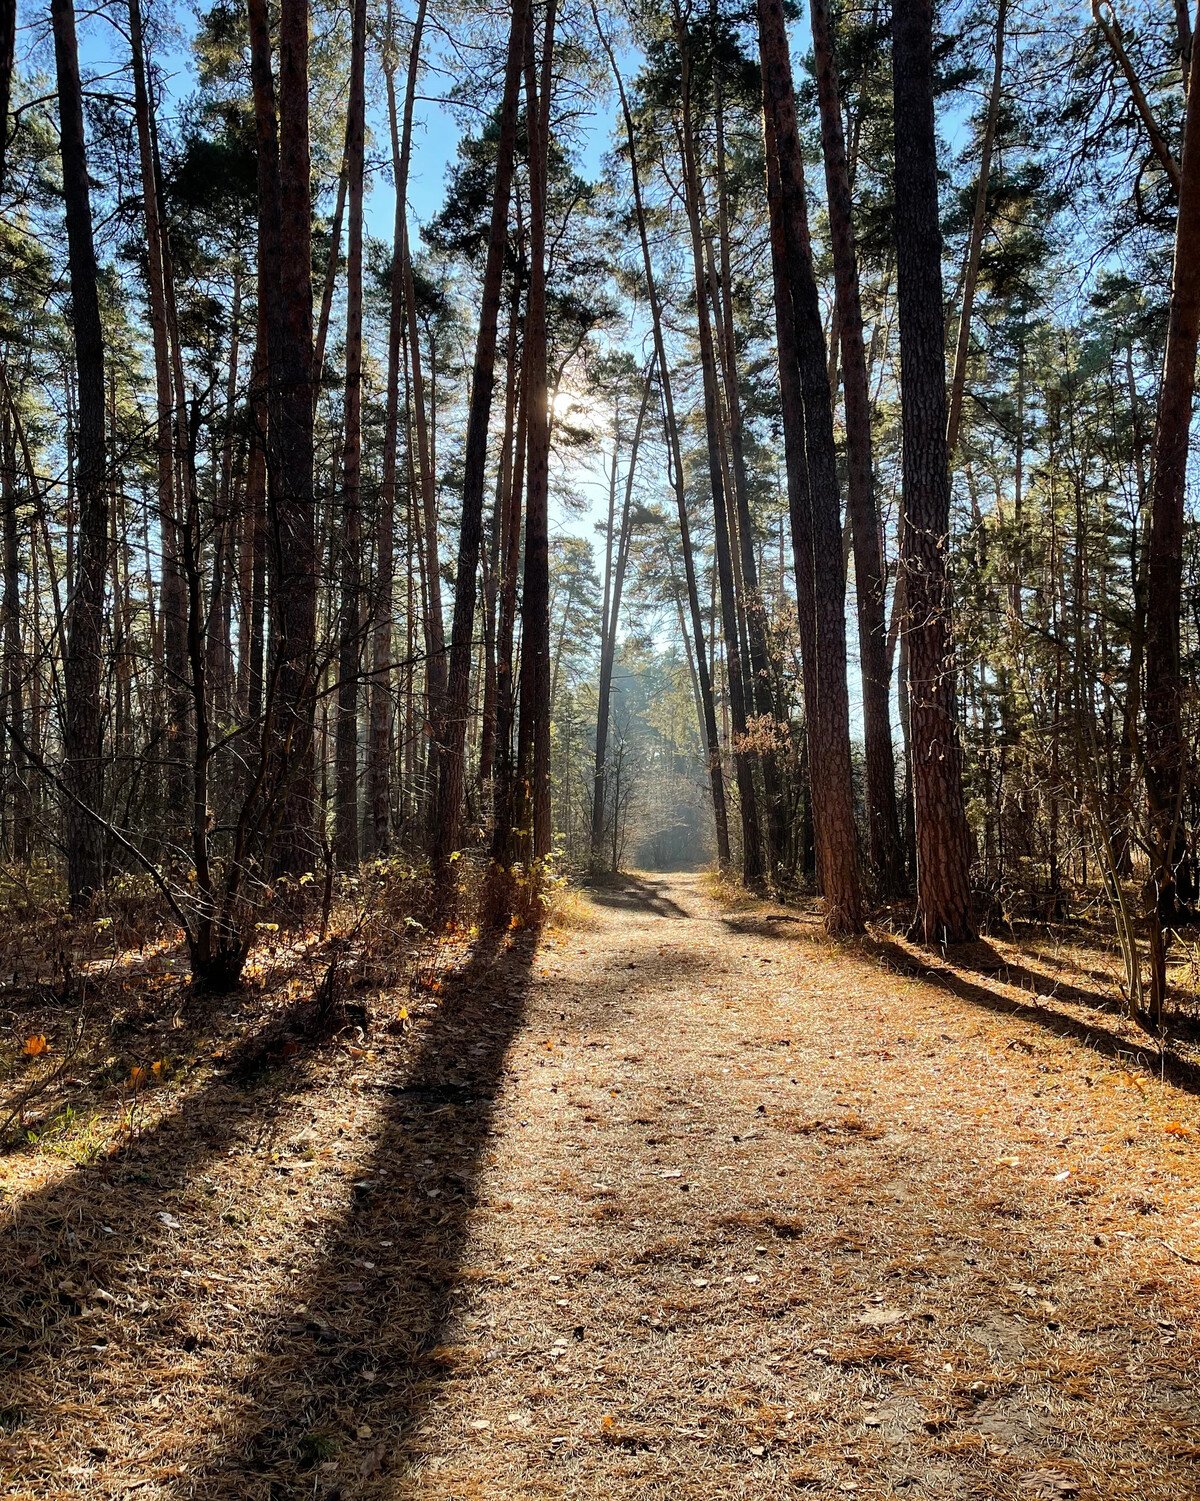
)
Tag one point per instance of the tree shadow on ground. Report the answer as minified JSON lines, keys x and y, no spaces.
{"x":91,"y":1229}
{"x":788,"y":926}
{"x":1061,"y":960}
{"x":342,"y":1376}
{"x":629,"y":893}
{"x":1101,"y":1039}
{"x":983,"y":959}
{"x":136,"y":1007}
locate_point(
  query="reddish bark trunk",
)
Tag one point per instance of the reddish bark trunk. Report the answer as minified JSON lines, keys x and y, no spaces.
{"x":1166,"y":751}
{"x":943,"y":838}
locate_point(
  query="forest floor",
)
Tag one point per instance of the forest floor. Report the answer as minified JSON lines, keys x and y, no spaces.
{"x":680,"y":1200}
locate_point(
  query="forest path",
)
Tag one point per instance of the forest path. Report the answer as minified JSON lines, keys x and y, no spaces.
{"x":672,"y":1202}
{"x":762,"y":1217}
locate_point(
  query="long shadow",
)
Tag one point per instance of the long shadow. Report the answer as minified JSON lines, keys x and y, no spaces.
{"x":787,"y":926}
{"x":1060,"y":961}
{"x":983,"y":959}
{"x":635,"y":894}
{"x":1178,"y":1071}
{"x":126,"y":1014}
{"x":93,"y":1226}
{"x":345,"y":1379}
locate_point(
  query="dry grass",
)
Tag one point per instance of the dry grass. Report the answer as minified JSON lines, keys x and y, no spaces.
{"x":677,"y":1202}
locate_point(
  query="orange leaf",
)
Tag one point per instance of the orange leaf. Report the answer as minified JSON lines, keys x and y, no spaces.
{"x":138,"y":1075}
{"x":1177,"y":1128}
{"x":35,"y":1046}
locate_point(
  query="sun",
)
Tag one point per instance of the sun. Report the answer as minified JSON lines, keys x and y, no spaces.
{"x":580,"y":411}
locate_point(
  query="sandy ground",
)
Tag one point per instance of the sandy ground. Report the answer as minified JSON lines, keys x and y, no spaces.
{"x":679,"y":1202}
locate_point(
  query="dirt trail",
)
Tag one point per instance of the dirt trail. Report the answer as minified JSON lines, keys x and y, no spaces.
{"x":761,"y":1216}
{"x":679,"y":1203}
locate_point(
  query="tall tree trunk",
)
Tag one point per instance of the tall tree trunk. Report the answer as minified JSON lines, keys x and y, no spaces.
{"x":814,"y":503}
{"x":285,"y":211}
{"x":380,"y":707}
{"x":743,"y":759}
{"x":970,"y":280}
{"x":760,"y":696}
{"x":12,"y":663}
{"x":436,"y":667}
{"x":534,"y":726}
{"x":453,"y":728}
{"x":497,"y":560}
{"x":712,"y":742}
{"x":292,"y":531}
{"x":8,"y":42}
{"x":1166,"y":752}
{"x":83,"y":717}
{"x":606,"y":615}
{"x":943,"y":838}
{"x":883,"y":822}
{"x":218,"y":631}
{"x":350,"y":623}
{"x":506,"y":800}
{"x":254,"y":537}
{"x":174,"y":589}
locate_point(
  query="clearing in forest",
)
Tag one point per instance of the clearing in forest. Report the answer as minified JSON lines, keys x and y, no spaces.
{"x":677,"y":1201}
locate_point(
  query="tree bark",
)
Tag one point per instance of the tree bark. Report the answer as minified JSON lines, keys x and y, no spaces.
{"x":285,"y":230}
{"x":883,"y":822}
{"x":535,"y":685}
{"x":813,"y":495}
{"x":505,"y":801}
{"x":218,"y":632}
{"x":83,"y":719}
{"x":1166,"y":752}
{"x":12,"y":665}
{"x":497,"y":560}
{"x":292,"y":530}
{"x":943,"y":838}
{"x":350,"y":623}
{"x":8,"y":42}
